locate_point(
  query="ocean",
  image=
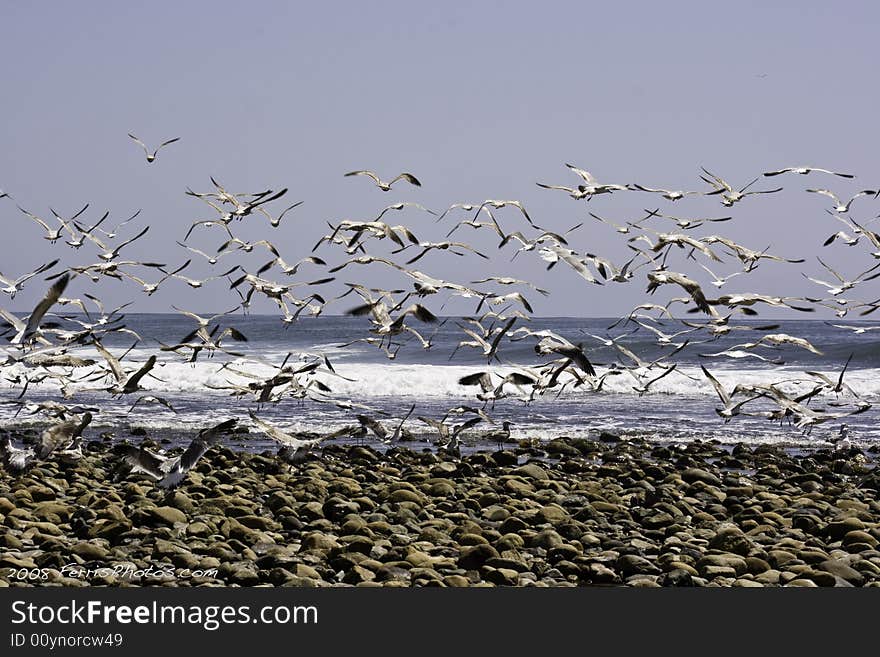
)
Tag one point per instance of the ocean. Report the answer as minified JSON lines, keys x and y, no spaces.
{"x":678,"y":408}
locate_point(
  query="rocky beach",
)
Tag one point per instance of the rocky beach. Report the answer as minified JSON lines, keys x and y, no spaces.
{"x":609,"y":511}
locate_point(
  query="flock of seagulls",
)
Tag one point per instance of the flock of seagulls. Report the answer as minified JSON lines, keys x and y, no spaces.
{"x":41,"y":343}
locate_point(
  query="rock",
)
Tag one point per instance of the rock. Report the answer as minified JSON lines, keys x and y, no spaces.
{"x":547,"y":539}
{"x":676,"y":577}
{"x":778,"y":558}
{"x":858,"y":536}
{"x":52,"y":511}
{"x":690,"y":475}
{"x":41,"y":493}
{"x":658,"y":520}
{"x":473,"y":558}
{"x":456,"y":581}
{"x":532,"y":471}
{"x":518,"y":487}
{"x":505,"y":458}
{"x":838,"y":529}
{"x":552,"y":514}
{"x":392,"y":573}
{"x":598,"y":573}
{"x":820,"y":577}
{"x":841,"y":569}
{"x":109,"y":529}
{"x":306,"y":571}
{"x":806,"y":583}
{"x":405,"y":495}
{"x":471,"y":539}
{"x":167,"y":515}
{"x":502,"y":576}
{"x":198,"y":529}
{"x":358,"y":574}
{"x":731,"y":561}
{"x":632,"y":564}
{"x":756,"y":565}
{"x":509,"y":542}
{"x":561,"y":447}
{"x":257,"y":522}
{"x":730,"y":538}
{"x":180,"y":500}
{"x":513,"y":525}
{"x":319,"y":541}
{"x":89,"y":551}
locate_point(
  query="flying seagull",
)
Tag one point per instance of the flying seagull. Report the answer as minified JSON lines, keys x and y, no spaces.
{"x":36,"y":317}
{"x":386,"y":186}
{"x":805,"y":170}
{"x":152,"y":156}
{"x":171,"y":470}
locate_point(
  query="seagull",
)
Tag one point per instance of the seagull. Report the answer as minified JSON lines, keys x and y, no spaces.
{"x":152,"y":156}
{"x":212,"y":259}
{"x":170,"y":471}
{"x":294,"y":448}
{"x":731,"y":408}
{"x":591,"y":187}
{"x":672,"y":195}
{"x":551,"y":342}
{"x":61,"y":435}
{"x":400,"y":206}
{"x":685,"y":223}
{"x":805,"y":170}
{"x":784,"y":338}
{"x":442,"y":246}
{"x":16,"y":285}
{"x":642,"y":388}
{"x":662,"y":277}
{"x":107,"y":256}
{"x":839,"y":205}
{"x":125,"y":384}
{"x":739,"y":354}
{"x":747,"y":256}
{"x":835,"y":386}
{"x":54,"y":234}
{"x":857,"y":330}
{"x":450,"y":433}
{"x":491,"y":392}
{"x":15,"y":459}
{"x":729,"y":196}
{"x":833,"y":288}
{"x":276,"y":221}
{"x":386,"y":186}
{"x":86,"y":233}
{"x":871,"y":236}
{"x":151,"y":399}
{"x":112,"y":233}
{"x":288,"y":269}
{"x":748,"y":299}
{"x":501,"y":435}
{"x":719,"y":281}
{"x":32,"y":328}
{"x":490,"y":349}
{"x":507,"y":280}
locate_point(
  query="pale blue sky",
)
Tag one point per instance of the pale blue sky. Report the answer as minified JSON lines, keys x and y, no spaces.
{"x":479,"y":101}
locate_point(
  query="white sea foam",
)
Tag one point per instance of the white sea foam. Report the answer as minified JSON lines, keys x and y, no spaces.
{"x":423,"y":381}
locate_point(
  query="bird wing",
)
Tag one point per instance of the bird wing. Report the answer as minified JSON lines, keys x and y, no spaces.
{"x":408,"y":177}
{"x":142,"y":144}
{"x":365,"y":173}
{"x":52,"y":295}
{"x":722,"y":393}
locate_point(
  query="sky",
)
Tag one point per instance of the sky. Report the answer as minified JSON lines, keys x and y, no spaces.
{"x":479,"y":100}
